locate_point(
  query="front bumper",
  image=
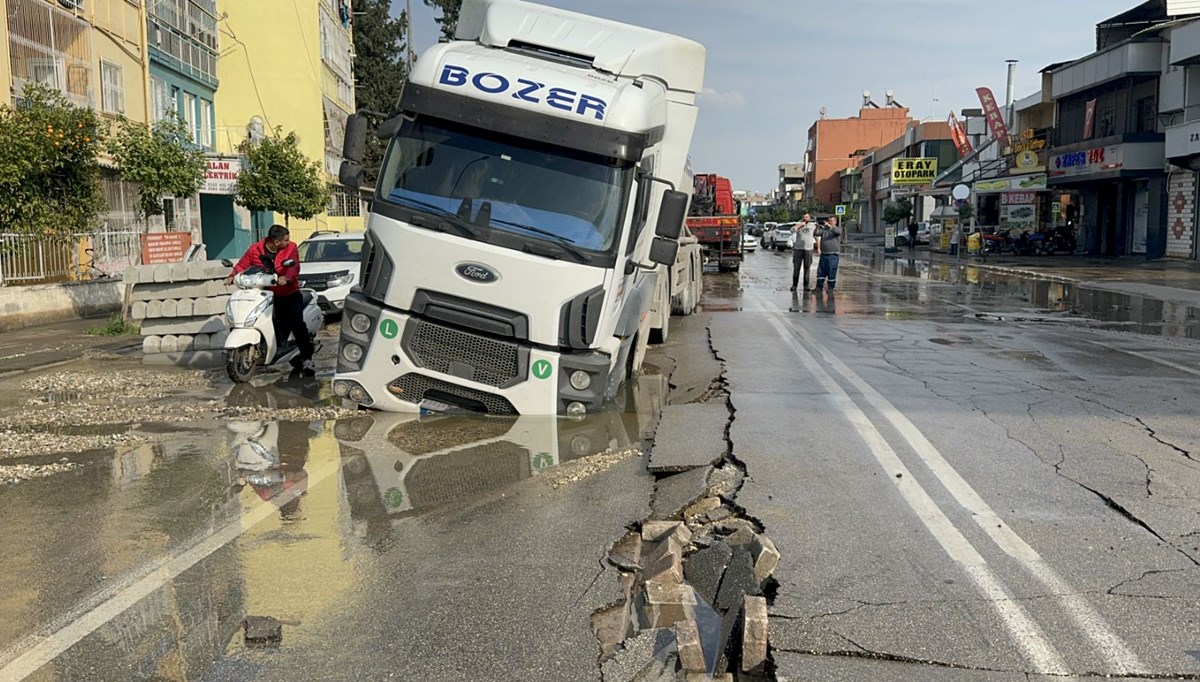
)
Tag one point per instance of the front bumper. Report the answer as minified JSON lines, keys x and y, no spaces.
{"x":409,"y":363}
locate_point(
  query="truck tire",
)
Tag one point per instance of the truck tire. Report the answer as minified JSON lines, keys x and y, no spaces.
{"x":659,"y":335}
{"x":682,"y":303}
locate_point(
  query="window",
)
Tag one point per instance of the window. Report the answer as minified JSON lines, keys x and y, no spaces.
{"x":206,"y":123}
{"x":160,"y":99}
{"x":189,"y":115}
{"x":343,"y":202}
{"x":112,"y":88}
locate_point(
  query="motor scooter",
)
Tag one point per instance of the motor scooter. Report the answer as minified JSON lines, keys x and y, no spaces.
{"x":250,"y":316}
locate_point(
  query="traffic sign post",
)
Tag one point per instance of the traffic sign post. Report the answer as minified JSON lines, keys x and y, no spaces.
{"x":840,"y":209}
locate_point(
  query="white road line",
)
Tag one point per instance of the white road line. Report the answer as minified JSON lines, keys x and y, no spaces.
{"x":42,"y":650}
{"x":1104,"y":640}
{"x":1025,"y":632}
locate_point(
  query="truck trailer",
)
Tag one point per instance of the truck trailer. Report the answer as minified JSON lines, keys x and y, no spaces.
{"x":714,"y":220}
{"x":526,"y":237}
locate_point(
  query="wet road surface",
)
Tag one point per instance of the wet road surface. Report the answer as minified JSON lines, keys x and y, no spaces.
{"x":985,"y":473}
{"x":970,"y":475}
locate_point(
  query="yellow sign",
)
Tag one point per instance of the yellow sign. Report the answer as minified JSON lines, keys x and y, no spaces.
{"x":920,"y":171}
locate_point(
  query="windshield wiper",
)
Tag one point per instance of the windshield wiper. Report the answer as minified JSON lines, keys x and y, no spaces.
{"x":446,"y":217}
{"x":560,"y":241}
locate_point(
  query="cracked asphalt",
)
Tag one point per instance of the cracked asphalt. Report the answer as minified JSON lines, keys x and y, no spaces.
{"x":970,"y":476}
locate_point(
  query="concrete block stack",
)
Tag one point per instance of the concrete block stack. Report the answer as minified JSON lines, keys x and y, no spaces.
{"x":181,"y":310}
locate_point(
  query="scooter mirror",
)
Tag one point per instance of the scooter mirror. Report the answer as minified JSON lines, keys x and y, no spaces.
{"x":289,"y":263}
{"x":226,"y":262}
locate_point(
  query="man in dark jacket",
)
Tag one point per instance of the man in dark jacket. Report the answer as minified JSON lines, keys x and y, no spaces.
{"x":270,"y":254}
{"x":829,"y":249}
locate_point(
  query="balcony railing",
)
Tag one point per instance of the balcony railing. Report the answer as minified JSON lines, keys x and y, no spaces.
{"x":52,"y":46}
{"x":1183,"y":142}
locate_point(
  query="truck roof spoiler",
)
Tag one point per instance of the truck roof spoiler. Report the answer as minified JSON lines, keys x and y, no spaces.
{"x":611,"y":47}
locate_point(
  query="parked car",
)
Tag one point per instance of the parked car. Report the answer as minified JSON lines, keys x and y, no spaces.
{"x":749,"y":241}
{"x":783,"y":236}
{"x":923,"y":235}
{"x":329,"y":265}
{"x":768,"y":235}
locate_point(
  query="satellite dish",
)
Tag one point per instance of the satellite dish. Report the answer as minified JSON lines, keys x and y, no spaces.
{"x":255,"y":129}
{"x":890,"y":94}
{"x":824,"y":111}
{"x":866,"y":94}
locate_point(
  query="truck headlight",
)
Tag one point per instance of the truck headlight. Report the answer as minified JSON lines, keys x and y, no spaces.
{"x":580,"y":380}
{"x":352,"y":352}
{"x":360,"y":323}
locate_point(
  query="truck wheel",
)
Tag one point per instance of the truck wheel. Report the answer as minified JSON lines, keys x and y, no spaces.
{"x":660,"y":334}
{"x":681,"y":303}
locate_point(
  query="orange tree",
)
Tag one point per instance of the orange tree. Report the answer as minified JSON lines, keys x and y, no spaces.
{"x":49,"y":174}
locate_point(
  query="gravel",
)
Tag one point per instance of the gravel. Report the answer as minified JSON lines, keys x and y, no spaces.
{"x":589,"y":466}
{"x":15,"y":473}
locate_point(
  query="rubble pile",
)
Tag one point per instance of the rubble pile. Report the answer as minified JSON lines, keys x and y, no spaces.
{"x":694,"y":577}
{"x":181,"y":309}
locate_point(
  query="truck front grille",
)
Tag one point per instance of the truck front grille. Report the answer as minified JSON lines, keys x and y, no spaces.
{"x":416,"y":388}
{"x":465,"y":355}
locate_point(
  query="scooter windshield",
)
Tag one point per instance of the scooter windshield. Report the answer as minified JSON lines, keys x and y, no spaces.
{"x":507,"y":186}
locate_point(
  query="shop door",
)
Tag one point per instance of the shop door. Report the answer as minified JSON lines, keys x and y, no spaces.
{"x":1109,"y":218}
{"x":223,"y":232}
{"x":1141,"y":217}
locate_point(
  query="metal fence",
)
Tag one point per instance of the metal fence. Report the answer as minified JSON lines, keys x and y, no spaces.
{"x":32,"y":259}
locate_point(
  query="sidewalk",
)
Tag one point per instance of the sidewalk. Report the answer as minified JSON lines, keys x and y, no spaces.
{"x":33,"y":348}
{"x":1166,"y":280}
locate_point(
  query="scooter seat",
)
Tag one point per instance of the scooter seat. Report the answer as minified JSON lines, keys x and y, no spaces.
{"x":308,"y":296}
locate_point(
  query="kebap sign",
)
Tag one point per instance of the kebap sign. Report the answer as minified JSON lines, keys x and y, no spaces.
{"x":920,"y":171}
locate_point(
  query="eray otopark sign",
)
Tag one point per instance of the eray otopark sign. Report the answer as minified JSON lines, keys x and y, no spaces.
{"x":920,"y":171}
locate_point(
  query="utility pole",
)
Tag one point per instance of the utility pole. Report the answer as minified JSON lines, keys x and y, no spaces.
{"x":408,"y":23}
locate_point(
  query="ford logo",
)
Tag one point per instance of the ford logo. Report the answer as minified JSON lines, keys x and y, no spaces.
{"x":476,"y":273}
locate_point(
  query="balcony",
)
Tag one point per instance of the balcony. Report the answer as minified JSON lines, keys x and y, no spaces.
{"x":1185,"y":45}
{"x":1183,"y":145}
{"x":1121,"y":61}
{"x":51,"y":46}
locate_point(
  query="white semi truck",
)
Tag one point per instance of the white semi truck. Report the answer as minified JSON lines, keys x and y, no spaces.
{"x":526,"y":235}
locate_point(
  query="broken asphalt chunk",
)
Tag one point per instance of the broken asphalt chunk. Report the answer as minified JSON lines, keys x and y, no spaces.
{"x":703,"y":570}
{"x":654,"y":531}
{"x":649,"y":650}
{"x":754,"y":635}
{"x":738,"y":580}
{"x":673,"y":493}
{"x":701,"y":507}
{"x":689,"y":436}
{"x":725,"y":480}
{"x":691,"y":651}
{"x":612,"y":626}
{"x":263,"y":631}
{"x":661,"y":605}
{"x":627,"y":553}
{"x":664,"y":561}
{"x":766,"y":557}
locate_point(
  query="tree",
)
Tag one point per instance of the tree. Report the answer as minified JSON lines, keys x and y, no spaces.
{"x":49,"y":174}
{"x":278,"y":177}
{"x":449,"y":17}
{"x":965,"y":212}
{"x":899,"y":212}
{"x":161,"y":159}
{"x":380,"y":69}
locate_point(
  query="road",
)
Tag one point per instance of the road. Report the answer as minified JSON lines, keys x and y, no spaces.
{"x":969,"y":475}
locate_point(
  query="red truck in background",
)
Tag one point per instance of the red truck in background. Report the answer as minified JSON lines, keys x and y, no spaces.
{"x":714,"y":220}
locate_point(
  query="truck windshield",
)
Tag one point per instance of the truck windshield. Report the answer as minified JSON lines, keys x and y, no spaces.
{"x":535,"y":191}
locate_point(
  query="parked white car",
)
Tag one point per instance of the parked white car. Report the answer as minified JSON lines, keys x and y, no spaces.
{"x":329,"y":265}
{"x":749,"y":241}
{"x":768,"y":235}
{"x":783,"y":236}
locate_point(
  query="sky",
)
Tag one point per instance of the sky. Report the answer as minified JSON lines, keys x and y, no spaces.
{"x":772,"y":64}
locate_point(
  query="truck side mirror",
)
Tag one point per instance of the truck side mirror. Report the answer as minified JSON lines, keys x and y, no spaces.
{"x":354,"y":146}
{"x":351,"y":174}
{"x":671,"y":213}
{"x":663,"y":251}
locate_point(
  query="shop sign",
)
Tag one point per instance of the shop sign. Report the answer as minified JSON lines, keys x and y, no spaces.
{"x":959,"y":136}
{"x":1087,"y":162}
{"x":919,"y":171}
{"x":221,"y":176}
{"x":1017,"y":198}
{"x":1027,"y":182}
{"x":165,"y":247}
{"x":991,"y":111}
{"x":1028,"y":154}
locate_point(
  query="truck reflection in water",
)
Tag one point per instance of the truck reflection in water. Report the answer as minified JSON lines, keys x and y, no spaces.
{"x":396,"y":465}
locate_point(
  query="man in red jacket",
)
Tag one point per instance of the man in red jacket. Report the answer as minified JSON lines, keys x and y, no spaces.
{"x":270,"y":254}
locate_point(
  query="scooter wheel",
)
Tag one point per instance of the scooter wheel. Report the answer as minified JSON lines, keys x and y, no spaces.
{"x":241,"y":364}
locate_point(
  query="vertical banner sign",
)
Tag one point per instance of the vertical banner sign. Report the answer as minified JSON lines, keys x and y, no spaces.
{"x":991,"y":111}
{"x":961,"y":141}
{"x":1089,"y":120}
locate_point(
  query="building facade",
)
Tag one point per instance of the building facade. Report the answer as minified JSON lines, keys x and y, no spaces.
{"x":791,"y":183}
{"x":287,"y":67}
{"x":95,"y":54}
{"x":832,"y":144}
{"x":1180,"y":102}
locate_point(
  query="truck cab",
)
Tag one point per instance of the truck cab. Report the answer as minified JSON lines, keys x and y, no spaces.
{"x":527,"y":217}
